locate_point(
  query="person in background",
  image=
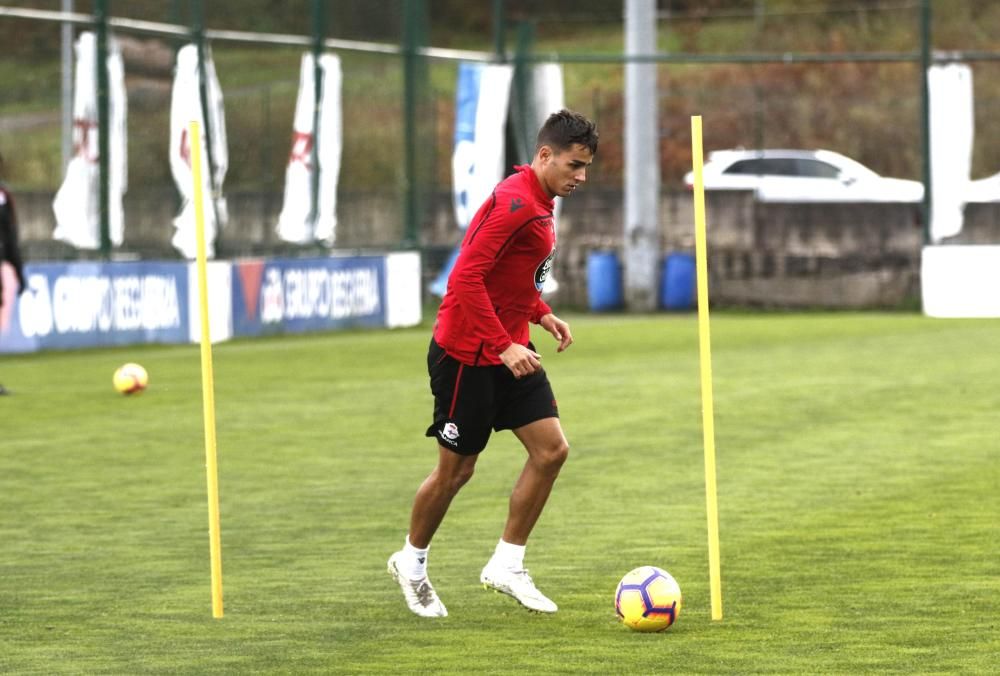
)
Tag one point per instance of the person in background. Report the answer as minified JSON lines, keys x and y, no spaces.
{"x":10,"y":249}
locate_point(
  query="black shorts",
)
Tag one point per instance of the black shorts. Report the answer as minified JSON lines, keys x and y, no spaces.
{"x":470,"y":401}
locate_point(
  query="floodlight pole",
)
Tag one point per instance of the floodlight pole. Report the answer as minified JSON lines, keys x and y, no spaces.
{"x":642,"y":165}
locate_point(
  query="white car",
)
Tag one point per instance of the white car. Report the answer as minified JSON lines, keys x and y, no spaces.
{"x":802,"y":176}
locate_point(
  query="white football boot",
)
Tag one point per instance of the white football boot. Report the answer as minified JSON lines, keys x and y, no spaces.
{"x":518,"y":584}
{"x":419,"y":594}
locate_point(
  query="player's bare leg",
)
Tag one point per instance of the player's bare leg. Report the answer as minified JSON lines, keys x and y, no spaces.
{"x":409,"y":565}
{"x":547,"y":451}
{"x":436,"y":493}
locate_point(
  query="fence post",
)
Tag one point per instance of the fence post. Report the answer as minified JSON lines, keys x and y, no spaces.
{"x":523,"y":94}
{"x":925,"y":113}
{"x":103,"y":125}
{"x":499,"y":31}
{"x":413,"y":35}
{"x":66,"y":54}
{"x":198,"y":33}
{"x":319,"y":29}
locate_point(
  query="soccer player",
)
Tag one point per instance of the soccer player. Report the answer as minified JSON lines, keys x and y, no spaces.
{"x":484,"y":372}
{"x":10,"y":250}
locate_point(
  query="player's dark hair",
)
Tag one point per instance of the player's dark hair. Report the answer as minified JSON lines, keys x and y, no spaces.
{"x":565,"y":129}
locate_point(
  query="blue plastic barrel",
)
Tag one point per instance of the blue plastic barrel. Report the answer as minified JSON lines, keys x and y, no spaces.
{"x":677,"y":283}
{"x":604,"y":281}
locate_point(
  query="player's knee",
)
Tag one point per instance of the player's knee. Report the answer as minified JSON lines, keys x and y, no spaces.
{"x":553,"y":455}
{"x":561,"y":453}
{"x":462,"y":476}
{"x":452,"y":480}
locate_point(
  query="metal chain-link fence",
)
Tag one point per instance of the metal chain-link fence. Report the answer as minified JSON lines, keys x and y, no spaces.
{"x":721,"y":60}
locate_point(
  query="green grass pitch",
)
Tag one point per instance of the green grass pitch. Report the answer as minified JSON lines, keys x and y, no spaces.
{"x":859,"y":501}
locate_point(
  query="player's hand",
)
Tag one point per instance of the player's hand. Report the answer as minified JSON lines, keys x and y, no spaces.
{"x":559,"y":329}
{"x":520,"y":360}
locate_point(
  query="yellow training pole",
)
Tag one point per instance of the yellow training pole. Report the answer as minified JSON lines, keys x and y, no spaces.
{"x":705,"y":346}
{"x":207,"y":382}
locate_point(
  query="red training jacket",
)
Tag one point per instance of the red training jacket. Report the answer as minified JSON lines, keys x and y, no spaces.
{"x":495,"y":288}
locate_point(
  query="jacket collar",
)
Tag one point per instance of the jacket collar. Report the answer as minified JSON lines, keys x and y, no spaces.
{"x":536,"y":187}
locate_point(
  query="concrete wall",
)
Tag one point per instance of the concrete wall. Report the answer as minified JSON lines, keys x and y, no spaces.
{"x":773,"y":255}
{"x":761,"y":254}
{"x":824,"y":255}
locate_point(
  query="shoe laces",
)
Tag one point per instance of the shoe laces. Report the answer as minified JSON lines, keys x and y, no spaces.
{"x":424,"y":592}
{"x":522,"y":576}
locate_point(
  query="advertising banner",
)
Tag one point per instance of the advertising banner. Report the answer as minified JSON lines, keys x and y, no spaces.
{"x":94,"y":304}
{"x":73,"y":305}
{"x":308,"y":294}
{"x":960,"y":281}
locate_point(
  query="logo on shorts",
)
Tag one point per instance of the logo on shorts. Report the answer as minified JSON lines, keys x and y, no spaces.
{"x":450,"y":433}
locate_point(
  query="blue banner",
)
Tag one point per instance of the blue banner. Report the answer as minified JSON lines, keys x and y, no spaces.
{"x":72,"y":305}
{"x":308,"y":294}
{"x":466,"y":101}
{"x":464,"y":153}
{"x":463,"y":160}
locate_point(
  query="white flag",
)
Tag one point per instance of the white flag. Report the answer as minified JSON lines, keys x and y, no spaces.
{"x":295,"y":223}
{"x":482,"y":100}
{"x":547,"y":97}
{"x":185,"y":106}
{"x":951,"y":122}
{"x":77,"y":204}
{"x":482,"y":96}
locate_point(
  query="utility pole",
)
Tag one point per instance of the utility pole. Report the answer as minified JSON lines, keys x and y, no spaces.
{"x":642,"y":163}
